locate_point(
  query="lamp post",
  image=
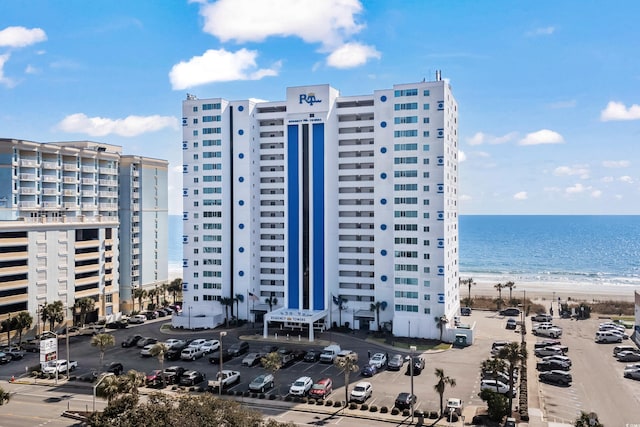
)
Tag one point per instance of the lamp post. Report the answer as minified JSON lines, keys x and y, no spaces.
{"x":222,"y":334}
{"x":189,"y":316}
{"x":95,"y":387}
{"x":412,"y":349}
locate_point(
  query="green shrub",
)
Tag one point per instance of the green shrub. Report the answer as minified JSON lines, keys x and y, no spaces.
{"x":328,"y":403}
{"x":311,"y":401}
{"x":337,"y":404}
{"x":384,"y":410}
{"x":395,"y":411}
{"x":406,"y":412}
{"x":364,"y":407}
{"x":353,"y":405}
{"x":373,"y":408}
{"x":272,"y":397}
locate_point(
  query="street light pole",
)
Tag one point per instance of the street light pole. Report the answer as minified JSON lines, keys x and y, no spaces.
{"x":95,"y":387}
{"x":412,"y":349}
{"x":189,"y":317}
{"x":222,"y":334}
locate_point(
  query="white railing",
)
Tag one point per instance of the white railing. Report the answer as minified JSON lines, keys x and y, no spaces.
{"x":27,"y":176}
{"x":88,"y":181}
{"x":50,"y":191}
{"x":24,"y":190}
{"x":70,"y":167}
{"x":49,"y":178}
{"x":69,"y":179}
{"x":28,"y":163}
{"x":49,"y":165}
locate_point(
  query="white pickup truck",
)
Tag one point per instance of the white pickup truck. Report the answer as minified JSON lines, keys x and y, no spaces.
{"x":547,"y":330}
{"x":225,"y":378}
{"x":59,"y":366}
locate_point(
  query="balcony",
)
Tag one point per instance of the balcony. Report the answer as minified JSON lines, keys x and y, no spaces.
{"x":135,"y":173}
{"x":27,"y":190}
{"x":108,"y":171}
{"x":108,"y":182}
{"x":70,"y":192}
{"x":27,"y":176}
{"x":28,"y":205}
{"x":28,"y":163}
{"x":87,"y":207}
{"x":88,"y":193}
{"x":49,"y":178}
{"x":108,"y":194}
{"x":69,"y":179}
{"x":50,"y":205}
{"x":70,"y":205}
{"x":89,"y":169}
{"x":109,"y":206}
{"x":50,"y":191}
{"x":88,"y":181}
{"x":50,"y":165}
{"x":70,"y":167}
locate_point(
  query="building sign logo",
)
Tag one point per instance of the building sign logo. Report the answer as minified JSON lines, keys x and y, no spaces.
{"x":309,"y":98}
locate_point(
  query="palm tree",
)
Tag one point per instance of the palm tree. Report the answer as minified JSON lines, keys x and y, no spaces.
{"x":226,"y":302}
{"x":151,"y":293}
{"x":340,"y":301}
{"x":348,"y":365}
{"x":139,"y":294}
{"x":110,"y":387}
{"x":175,"y":287}
{"x":23,"y":321}
{"x":377,"y":306}
{"x":132,"y":381}
{"x":499,"y":287}
{"x":588,"y":420}
{"x":163,"y":290}
{"x":102,"y":341}
{"x":441,"y":321}
{"x":469,"y":282}
{"x":159,"y":350}
{"x":7,"y":325}
{"x":510,"y":285}
{"x":85,"y":305}
{"x":53,"y":313}
{"x":513,"y":353}
{"x":238,"y":299}
{"x":272,"y":300}
{"x":272,"y":362}
{"x":440,"y":386}
{"x":495,"y":366}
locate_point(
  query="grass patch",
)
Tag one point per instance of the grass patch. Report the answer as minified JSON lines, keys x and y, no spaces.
{"x":405,"y":343}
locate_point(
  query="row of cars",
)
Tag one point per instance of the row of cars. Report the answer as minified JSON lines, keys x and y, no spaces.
{"x":553,"y":363}
{"x":610,"y":332}
{"x":8,"y":354}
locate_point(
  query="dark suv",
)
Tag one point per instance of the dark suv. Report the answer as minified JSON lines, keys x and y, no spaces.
{"x":131,"y":341}
{"x":115,"y":368}
{"x":172,"y":374}
{"x":174,"y":352}
{"x":239,"y":348}
{"x":404,"y":400}
{"x":510,"y":312}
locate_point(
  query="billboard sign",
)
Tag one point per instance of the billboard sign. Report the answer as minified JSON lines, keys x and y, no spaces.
{"x":48,"y":350}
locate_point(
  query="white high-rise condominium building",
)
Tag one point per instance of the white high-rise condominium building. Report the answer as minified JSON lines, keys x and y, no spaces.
{"x":313,"y":209}
{"x":62,"y":206}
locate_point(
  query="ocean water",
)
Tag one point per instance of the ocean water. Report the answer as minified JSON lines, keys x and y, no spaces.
{"x":537,"y":248}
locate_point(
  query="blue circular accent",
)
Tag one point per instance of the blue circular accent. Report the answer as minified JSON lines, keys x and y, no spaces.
{"x":241,"y":249}
{"x":241,"y":202}
{"x":240,"y":132}
{"x":241,"y":226}
{"x":383,"y":252}
{"x":241,"y":155}
{"x":383,"y":124}
{"x":240,"y":273}
{"x":240,"y":108}
{"x":383,"y":98}
{"x":383,"y":278}
{"x":383,"y":201}
{"x":383,"y":175}
{"x":383,"y":227}
{"x":241,"y":179}
{"x":383,"y":150}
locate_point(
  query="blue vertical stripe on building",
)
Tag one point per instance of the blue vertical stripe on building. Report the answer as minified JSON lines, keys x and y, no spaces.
{"x":293,"y":215}
{"x":318,"y":217}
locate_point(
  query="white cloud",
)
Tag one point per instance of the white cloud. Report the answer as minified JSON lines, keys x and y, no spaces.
{"x":219,"y":66}
{"x":596,"y":194}
{"x":607,"y":179}
{"x":580,"y":170}
{"x":482,"y":138}
{"x":328,"y":22}
{"x":351,"y":55}
{"x":129,"y":126}
{"x":618,"y":111}
{"x":461,"y":156}
{"x":626,"y":178}
{"x":618,"y":196}
{"x":31,"y":70}
{"x":3,"y":79}
{"x":544,"y":136}
{"x":465,"y":197}
{"x":542,"y":31}
{"x":578,"y":188}
{"x":616,"y":163}
{"x":21,"y":36}
{"x":522,"y":195}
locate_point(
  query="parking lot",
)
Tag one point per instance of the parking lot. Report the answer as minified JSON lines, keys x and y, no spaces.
{"x":598,"y":384}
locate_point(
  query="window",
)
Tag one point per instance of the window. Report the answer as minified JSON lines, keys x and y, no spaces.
{"x":210,"y":106}
{"x":195,"y":121}
{"x":406,"y":227}
{"x":405,"y":187}
{"x":427,"y":311}
{"x":409,"y":308}
{"x":406,"y":92}
{"x":211,"y":154}
{"x":195,"y":109}
{"x":406,"y":254}
{"x":405,"y":160}
{"x":212,"y":178}
{"x":426,"y":92}
{"x":426,"y":134}
{"x":208,"y":131}
{"x":425,"y":120}
{"x":406,"y":119}
{"x":212,"y":190}
{"x":212,"y":166}
{"x":406,"y":267}
{"x":405,"y":147}
{"x":405,"y":200}
{"x":425,"y":107}
{"x":406,"y":281}
{"x":405,"y":214}
{"x":195,"y":133}
{"x":405,"y":174}
{"x":406,"y":294}
{"x":425,"y":147}
{"x":406,"y":241}
{"x":406,"y":106}
{"x":426,"y":202}
{"x":211,"y":142}
{"x":427,"y":283}
{"x":207,"y":119}
{"x":405,"y":133}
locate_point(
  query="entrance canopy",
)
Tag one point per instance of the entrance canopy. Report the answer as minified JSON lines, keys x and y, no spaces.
{"x":287,"y":315}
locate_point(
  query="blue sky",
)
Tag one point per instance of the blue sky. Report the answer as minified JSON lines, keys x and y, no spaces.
{"x":548,"y":91}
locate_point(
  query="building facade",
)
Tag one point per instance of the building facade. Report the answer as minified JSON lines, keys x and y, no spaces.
{"x":60,"y":236}
{"x":317,"y":209}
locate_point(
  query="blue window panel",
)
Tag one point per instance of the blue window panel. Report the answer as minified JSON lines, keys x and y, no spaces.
{"x":293,"y":178}
{"x":318,"y":217}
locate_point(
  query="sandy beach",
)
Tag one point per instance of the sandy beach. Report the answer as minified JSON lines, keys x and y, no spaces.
{"x":546,"y":291}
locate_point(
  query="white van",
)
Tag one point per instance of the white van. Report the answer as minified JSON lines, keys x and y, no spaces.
{"x":329,"y":353}
{"x":607,"y":337}
{"x":137,"y":319}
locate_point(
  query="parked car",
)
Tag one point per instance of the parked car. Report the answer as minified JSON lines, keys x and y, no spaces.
{"x":191,"y":378}
{"x":197,"y":343}
{"x":628,"y":356}
{"x":210,"y":346}
{"x":146,"y":350}
{"x":174,"y":352}
{"x":454,"y":405}
{"x":261,"y":383}
{"x":269,"y":348}
{"x":118,"y":324}
{"x":369,"y":371}
{"x":552,"y":365}
{"x":252,"y":359}
{"x":215,"y":357}
{"x":548,"y":351}
{"x":558,"y":358}
{"x":511,"y":311}
{"x":146,"y":341}
{"x":497,"y":386}
{"x":361,"y":392}
{"x":321,"y":389}
{"x":546,"y":343}
{"x":621,"y":334}
{"x":556,"y":377}
{"x":154,"y":378}
{"x":617,"y":349}
{"x":379,"y":360}
{"x":115,"y":368}
{"x":418,"y":366}
{"x":541,"y":317}
{"x":32,"y":346}
{"x":511,"y":323}
{"x":405,"y":400}
{"x":239,"y":348}
{"x":465,"y":311}
{"x":395,"y":363}
{"x":347,"y":354}
{"x":312,"y":355}
{"x":14,"y":352}
{"x":607,"y":337}
{"x":633,"y":373}
{"x":172,"y":374}
{"x":131,"y":340}
{"x":191,"y":353}
{"x":301,"y":386}
{"x":137,"y":319}
{"x":500,"y":376}
{"x":4,"y":358}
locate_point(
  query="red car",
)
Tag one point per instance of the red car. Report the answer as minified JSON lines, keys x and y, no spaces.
{"x":154,"y":378}
{"x":321,"y":389}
